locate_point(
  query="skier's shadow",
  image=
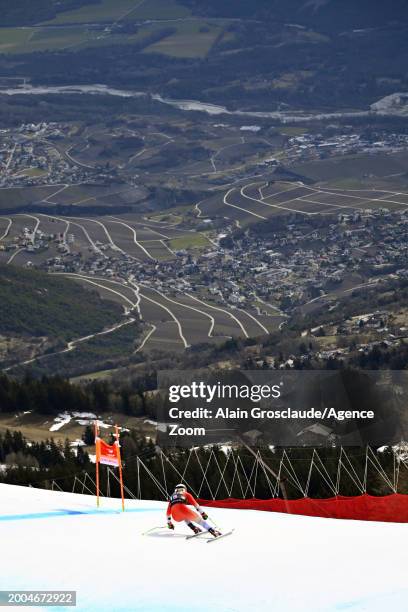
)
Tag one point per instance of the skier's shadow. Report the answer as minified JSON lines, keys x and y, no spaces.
{"x":165,"y":534}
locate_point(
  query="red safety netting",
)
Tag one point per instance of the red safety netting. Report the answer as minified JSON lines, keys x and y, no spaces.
{"x":390,"y":508}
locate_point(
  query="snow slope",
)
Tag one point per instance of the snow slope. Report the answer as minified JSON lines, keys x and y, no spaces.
{"x":53,"y":540}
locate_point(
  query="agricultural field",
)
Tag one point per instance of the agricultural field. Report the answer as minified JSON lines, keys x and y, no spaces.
{"x":36,"y":39}
{"x":260,"y":201}
{"x":193,"y":241}
{"x":135,"y":237}
{"x":30,"y":40}
{"x":82,"y":195}
{"x":361,"y":168}
{"x":116,"y":10}
{"x":15,"y":198}
{"x":190,"y":39}
{"x":105,"y":23}
{"x":33,"y":172}
{"x":159,"y":9}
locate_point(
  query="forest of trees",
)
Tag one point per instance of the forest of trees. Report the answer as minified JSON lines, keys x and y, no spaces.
{"x":26,"y":12}
{"x":39,"y":464}
{"x":52,"y":395}
{"x":35,"y":304}
{"x":31,"y":458}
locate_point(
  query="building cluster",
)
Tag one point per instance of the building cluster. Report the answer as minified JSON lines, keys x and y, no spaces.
{"x":270,"y":274}
{"x":37,"y":154}
{"x":314,"y":146}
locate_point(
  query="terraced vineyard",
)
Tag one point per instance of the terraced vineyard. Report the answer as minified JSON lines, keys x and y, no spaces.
{"x":261,"y":201}
{"x":174,"y":316}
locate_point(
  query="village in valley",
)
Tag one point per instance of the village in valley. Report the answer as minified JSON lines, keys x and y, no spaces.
{"x":248,"y":258}
{"x":260,"y":221}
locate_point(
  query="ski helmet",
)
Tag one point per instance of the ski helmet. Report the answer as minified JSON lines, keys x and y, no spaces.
{"x":180,"y":488}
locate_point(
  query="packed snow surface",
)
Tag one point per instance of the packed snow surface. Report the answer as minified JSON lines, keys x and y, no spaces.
{"x":284,"y":563}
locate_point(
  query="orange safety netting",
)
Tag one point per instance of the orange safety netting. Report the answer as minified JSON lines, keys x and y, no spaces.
{"x":390,"y":508}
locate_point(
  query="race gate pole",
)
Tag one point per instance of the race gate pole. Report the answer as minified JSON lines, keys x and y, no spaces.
{"x":97,"y":463}
{"x":120,"y":468}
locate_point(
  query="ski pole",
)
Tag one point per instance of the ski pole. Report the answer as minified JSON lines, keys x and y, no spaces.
{"x":154,"y":529}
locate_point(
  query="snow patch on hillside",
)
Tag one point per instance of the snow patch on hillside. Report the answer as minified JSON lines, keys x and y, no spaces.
{"x":60,"y":421}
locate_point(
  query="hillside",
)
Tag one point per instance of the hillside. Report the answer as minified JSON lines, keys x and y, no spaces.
{"x":295,"y":54}
{"x":26,"y":12}
{"x":328,"y":14}
{"x":35,"y":304}
{"x":297,"y":563}
{"x":360,"y":14}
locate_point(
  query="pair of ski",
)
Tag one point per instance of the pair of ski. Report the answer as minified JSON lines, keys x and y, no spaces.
{"x":213,"y":539}
{"x":194,"y":535}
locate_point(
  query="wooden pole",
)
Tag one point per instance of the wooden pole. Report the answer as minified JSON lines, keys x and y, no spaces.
{"x":120,"y":468}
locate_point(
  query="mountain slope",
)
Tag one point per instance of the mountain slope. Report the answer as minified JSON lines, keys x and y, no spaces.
{"x":26,"y":12}
{"x":36,"y":304}
{"x":331,"y":15}
{"x":271,"y":562}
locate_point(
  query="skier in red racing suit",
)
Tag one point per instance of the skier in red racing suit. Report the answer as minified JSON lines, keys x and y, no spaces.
{"x":179,"y":510}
